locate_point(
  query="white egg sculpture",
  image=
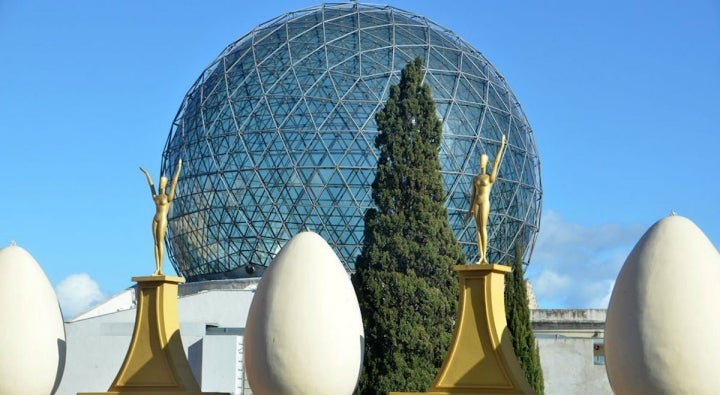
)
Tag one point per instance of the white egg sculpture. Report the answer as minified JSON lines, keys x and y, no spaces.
{"x":304,"y":332}
{"x":32,"y":335}
{"x":662,"y":334}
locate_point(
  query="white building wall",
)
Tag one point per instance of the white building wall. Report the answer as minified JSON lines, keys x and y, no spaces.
{"x":223,"y":369}
{"x":571,"y":352}
{"x":569,"y":368}
{"x":95,"y":351}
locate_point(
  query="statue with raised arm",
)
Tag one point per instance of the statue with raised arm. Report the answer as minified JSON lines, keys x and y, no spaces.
{"x":480,"y":199}
{"x":162,"y":200}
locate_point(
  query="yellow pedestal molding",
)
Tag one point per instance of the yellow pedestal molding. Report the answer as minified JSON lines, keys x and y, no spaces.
{"x":155,"y":362}
{"x":481,"y":359}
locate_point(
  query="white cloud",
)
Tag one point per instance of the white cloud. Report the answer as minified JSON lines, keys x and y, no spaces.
{"x":604,"y":300}
{"x":76,"y":293}
{"x":575,"y":266}
{"x":551,"y":284}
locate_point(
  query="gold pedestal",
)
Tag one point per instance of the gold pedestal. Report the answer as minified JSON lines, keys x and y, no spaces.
{"x":155,"y":362}
{"x":481,"y":359}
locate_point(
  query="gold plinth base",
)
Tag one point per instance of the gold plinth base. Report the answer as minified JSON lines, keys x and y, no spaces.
{"x":155,"y":362}
{"x":481,"y":359}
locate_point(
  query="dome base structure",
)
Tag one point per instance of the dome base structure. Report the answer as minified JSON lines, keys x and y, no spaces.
{"x":481,"y":359}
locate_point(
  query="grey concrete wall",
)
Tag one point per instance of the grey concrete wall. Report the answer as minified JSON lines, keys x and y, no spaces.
{"x":568,"y":367}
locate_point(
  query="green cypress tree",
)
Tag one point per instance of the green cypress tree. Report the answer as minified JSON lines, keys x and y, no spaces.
{"x":517,"y":314}
{"x":404,"y":279}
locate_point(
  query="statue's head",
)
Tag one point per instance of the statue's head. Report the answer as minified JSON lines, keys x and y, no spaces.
{"x":163,"y":183}
{"x":483,"y":161}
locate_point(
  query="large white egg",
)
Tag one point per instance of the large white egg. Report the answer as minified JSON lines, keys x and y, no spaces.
{"x":32,"y":335}
{"x":304,"y":331}
{"x":662,"y":334}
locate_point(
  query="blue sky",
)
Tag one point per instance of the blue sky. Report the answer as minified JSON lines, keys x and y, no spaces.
{"x":623,"y":97}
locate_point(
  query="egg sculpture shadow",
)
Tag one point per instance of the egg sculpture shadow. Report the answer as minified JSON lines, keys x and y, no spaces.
{"x":662,"y":333}
{"x":32,"y":334}
{"x":304,"y":332}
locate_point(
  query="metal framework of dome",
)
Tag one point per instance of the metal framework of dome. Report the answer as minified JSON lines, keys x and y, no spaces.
{"x":277,"y":136}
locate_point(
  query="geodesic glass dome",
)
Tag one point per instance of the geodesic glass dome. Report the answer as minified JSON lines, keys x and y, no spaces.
{"x":277,"y":136}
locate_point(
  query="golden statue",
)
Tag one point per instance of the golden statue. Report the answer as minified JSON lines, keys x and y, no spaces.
{"x":162,"y":207}
{"x":480,"y":199}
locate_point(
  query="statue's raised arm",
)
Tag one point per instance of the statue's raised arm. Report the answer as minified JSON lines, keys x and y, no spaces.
{"x":173,"y":183}
{"x":150,"y":181}
{"x":498,"y":159}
